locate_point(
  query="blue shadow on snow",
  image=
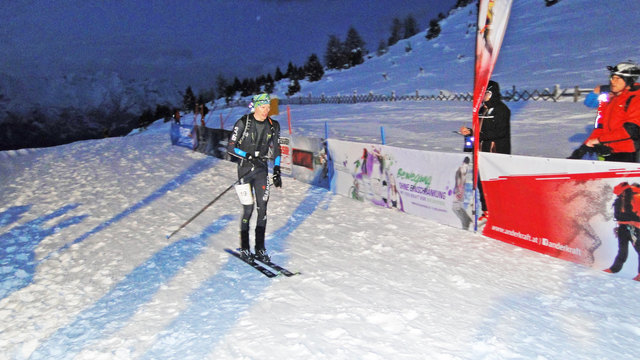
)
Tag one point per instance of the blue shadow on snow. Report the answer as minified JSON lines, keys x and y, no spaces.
{"x":218,"y":303}
{"x":17,"y":252}
{"x":114,"y":309}
{"x":181,"y":179}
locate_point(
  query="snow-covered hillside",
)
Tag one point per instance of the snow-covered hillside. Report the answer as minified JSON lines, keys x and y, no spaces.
{"x":567,"y":44}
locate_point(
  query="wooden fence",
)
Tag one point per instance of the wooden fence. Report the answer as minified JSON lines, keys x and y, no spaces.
{"x":575,"y":93}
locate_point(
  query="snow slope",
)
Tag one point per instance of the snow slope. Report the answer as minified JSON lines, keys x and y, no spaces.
{"x":87,"y":271}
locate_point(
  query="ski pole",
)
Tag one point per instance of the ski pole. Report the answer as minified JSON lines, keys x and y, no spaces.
{"x":210,"y":203}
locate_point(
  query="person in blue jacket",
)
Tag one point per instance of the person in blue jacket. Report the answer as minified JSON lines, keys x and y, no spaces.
{"x":255,"y":139}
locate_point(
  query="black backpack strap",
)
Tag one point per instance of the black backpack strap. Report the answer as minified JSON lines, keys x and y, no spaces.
{"x":245,"y":131}
{"x":626,"y":105}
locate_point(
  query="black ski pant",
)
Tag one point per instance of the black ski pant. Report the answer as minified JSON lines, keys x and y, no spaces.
{"x":626,"y":234}
{"x":259,"y":181}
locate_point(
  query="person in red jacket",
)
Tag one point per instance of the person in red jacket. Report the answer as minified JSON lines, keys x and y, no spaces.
{"x":618,"y":126}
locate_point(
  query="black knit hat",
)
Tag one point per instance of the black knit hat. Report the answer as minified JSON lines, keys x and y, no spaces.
{"x":494,"y":88}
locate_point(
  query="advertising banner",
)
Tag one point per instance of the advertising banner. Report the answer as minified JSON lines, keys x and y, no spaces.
{"x":433,"y":185}
{"x":212,"y":142}
{"x":309,"y":161}
{"x":583,"y":211}
{"x":182,"y":135}
{"x":493,"y":17}
{"x":285,"y":156}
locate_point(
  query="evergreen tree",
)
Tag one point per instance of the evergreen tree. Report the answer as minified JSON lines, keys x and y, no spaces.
{"x":237,"y":85}
{"x":291,"y":71}
{"x":278,"y":75}
{"x":354,"y":48}
{"x":162,"y":111}
{"x":221,"y":85}
{"x":145,"y":119}
{"x":410,"y":27}
{"x":206,"y":95}
{"x":294,"y":87}
{"x":260,"y":81}
{"x":269,"y":84}
{"x":434,"y":29}
{"x":335,"y":57}
{"x":396,"y":32}
{"x":189,"y":100}
{"x":313,"y":68}
{"x":228,"y":93}
{"x":382,"y":48}
{"x":462,"y":3}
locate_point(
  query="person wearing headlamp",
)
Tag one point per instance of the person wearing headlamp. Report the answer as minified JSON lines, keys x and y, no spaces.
{"x":616,"y":135}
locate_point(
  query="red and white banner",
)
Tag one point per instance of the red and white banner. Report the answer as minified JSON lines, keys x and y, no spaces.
{"x":493,"y":16}
{"x":562,"y":208}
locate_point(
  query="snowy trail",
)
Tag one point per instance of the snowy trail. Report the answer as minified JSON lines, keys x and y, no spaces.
{"x":375,"y":283}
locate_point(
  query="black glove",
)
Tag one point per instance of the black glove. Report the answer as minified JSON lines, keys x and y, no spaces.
{"x":277,"y":181}
{"x":602,"y":150}
{"x":579,"y":152}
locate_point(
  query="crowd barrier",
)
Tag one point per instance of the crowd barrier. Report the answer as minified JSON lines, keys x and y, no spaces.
{"x":303,"y":158}
{"x":558,"y":207}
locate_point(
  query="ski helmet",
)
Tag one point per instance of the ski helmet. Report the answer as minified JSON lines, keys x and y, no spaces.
{"x":626,"y":70}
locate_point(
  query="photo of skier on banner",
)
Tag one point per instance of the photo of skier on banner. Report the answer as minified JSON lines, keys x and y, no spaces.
{"x":626,"y":210}
{"x":458,"y":192}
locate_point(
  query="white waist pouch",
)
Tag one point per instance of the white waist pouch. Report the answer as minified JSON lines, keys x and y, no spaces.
{"x":244,"y":194}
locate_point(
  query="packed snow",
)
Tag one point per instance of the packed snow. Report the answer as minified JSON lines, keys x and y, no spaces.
{"x":87,"y":270}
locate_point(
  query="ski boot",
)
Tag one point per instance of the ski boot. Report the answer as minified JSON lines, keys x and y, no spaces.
{"x":261,"y":252}
{"x":244,"y":245}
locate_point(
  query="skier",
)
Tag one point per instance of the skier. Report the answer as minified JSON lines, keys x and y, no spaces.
{"x":617,"y":133}
{"x":255,"y":140}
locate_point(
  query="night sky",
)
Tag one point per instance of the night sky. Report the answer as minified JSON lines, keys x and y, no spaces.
{"x":188,"y":42}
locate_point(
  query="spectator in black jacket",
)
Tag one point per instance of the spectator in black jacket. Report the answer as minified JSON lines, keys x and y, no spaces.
{"x":495,"y":129}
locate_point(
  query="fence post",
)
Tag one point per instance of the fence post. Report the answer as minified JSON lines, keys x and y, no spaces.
{"x":289,"y":118}
{"x":355,"y":96}
{"x":576,"y":93}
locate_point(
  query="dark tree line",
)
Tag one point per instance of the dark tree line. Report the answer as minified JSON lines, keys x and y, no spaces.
{"x":338,"y":55}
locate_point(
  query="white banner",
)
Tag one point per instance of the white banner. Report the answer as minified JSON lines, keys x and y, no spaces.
{"x":433,"y":185}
